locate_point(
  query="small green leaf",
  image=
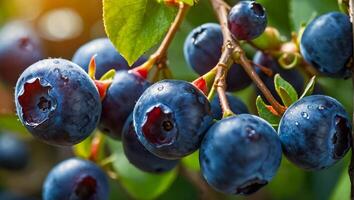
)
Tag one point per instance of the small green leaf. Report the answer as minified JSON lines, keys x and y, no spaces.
{"x":309,"y":87}
{"x":83,"y":149}
{"x":192,"y":161}
{"x":265,"y":113}
{"x":12,"y":123}
{"x":134,"y":26}
{"x":285,"y":90}
{"x":108,"y":75}
{"x":139,"y":184}
{"x":342,"y":190}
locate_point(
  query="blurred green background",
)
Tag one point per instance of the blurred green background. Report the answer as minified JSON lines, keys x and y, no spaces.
{"x":64,"y":25}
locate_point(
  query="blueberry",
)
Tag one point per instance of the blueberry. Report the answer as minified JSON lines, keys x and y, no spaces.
{"x":13,"y":152}
{"x":240,"y":154}
{"x":119,"y":102}
{"x":293,"y":76}
{"x":315,"y":132}
{"x":57,"y":102}
{"x":327,"y":44}
{"x":171,"y":118}
{"x":107,"y":57}
{"x":236,"y":105}
{"x":19,"y":48}
{"x":76,"y":179}
{"x":202,"y":50}
{"x":247,"y":20}
{"x":137,"y":154}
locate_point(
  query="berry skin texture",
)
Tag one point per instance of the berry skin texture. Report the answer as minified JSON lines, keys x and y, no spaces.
{"x":19,"y":48}
{"x":315,"y":132}
{"x":57,"y":102}
{"x":247,"y":20}
{"x":76,"y":179}
{"x":240,"y":154}
{"x":292,"y":76}
{"x":14,"y":153}
{"x":171,"y":118}
{"x":236,"y":105}
{"x":202,"y":50}
{"x":327,"y":44}
{"x":137,"y":154}
{"x":119,"y":102}
{"x":107,"y":57}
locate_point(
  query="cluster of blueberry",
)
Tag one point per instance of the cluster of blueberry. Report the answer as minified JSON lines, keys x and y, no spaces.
{"x":160,"y":123}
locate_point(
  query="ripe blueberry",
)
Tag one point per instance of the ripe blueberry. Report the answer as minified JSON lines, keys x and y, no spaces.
{"x":13,"y":152}
{"x":236,"y":105}
{"x":119,"y":101}
{"x":171,"y":118}
{"x":292,"y":76}
{"x":19,"y":48}
{"x":107,"y":57}
{"x":327,"y":44}
{"x":76,"y":179}
{"x":57,"y":102}
{"x":315,"y":132}
{"x":137,"y":154}
{"x":247,"y":20}
{"x":240,"y":154}
{"x":202,"y":50}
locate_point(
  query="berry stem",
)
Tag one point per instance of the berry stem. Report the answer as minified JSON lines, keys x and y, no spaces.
{"x":233,"y":51}
{"x":161,"y":53}
{"x":351,"y":166}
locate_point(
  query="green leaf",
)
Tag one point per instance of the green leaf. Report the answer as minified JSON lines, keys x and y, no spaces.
{"x":342,"y":191}
{"x":278,"y":14}
{"x":265,"y":113}
{"x":309,"y":87}
{"x":192,"y":161}
{"x":139,"y":184}
{"x":302,"y":10}
{"x":12,"y":123}
{"x":83,"y":149}
{"x":285,"y":90}
{"x":134,"y":26}
{"x":189,"y":2}
{"x":108,"y":75}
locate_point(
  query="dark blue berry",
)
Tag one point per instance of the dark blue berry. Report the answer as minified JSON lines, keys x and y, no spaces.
{"x":315,"y":132}
{"x":327,"y":44}
{"x":19,"y":48}
{"x":107,"y":57}
{"x":247,"y":20}
{"x":137,"y":154}
{"x":202,"y":50}
{"x":236,"y":105}
{"x":171,"y":118}
{"x":240,"y":154}
{"x":293,"y":76}
{"x":13,"y":152}
{"x":120,"y":100}
{"x":76,"y":179}
{"x":57,"y":102}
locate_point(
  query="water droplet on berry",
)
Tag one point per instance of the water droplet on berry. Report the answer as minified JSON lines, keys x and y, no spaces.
{"x":321,"y":107}
{"x":252,"y":134}
{"x":297,"y":123}
{"x":305,"y":115}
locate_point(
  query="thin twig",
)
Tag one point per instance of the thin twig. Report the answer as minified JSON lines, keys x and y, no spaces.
{"x":232,"y":51}
{"x":161,"y":52}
